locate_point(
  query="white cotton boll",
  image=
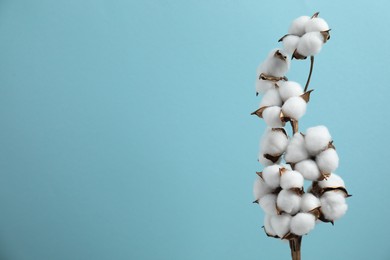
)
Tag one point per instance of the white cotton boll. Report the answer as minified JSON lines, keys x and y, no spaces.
{"x":309,"y":202}
{"x":264,"y":161}
{"x":274,"y":142}
{"x":281,"y":224}
{"x":317,"y":139}
{"x":267,"y":225}
{"x":310,"y":44}
{"x":288,"y":201}
{"x":260,"y":189}
{"x":290,"y":43}
{"x":316,"y":25}
{"x":294,"y":107}
{"x":309,"y":169}
{"x":328,"y":160}
{"x":296,"y":150}
{"x":297,"y":27}
{"x":268,"y":204}
{"x":271,"y":176}
{"x":271,"y":116}
{"x":263,"y":85}
{"x":291,"y":179}
{"x":276,"y":65}
{"x":288,"y":89}
{"x":333,"y":205}
{"x":333,"y":181}
{"x":271,"y":98}
{"x":302,"y":223}
{"x":263,"y":67}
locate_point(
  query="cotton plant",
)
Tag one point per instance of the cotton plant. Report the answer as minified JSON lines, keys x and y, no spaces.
{"x":288,"y":161}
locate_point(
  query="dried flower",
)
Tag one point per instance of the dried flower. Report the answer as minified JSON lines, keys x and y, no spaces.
{"x":292,"y":212}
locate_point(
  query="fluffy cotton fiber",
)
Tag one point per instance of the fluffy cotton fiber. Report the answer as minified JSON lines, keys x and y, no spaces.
{"x":288,"y":202}
{"x":274,"y":66}
{"x":271,"y":176}
{"x":316,"y":25}
{"x":328,"y":160}
{"x":281,"y":224}
{"x":317,"y":139}
{"x":260,"y":189}
{"x":297,"y":27}
{"x":264,"y":161}
{"x":288,"y":89}
{"x":333,"y":181}
{"x":290,"y":43}
{"x":268,"y":204}
{"x":291,"y":179}
{"x":294,"y":107}
{"x":263,"y":85}
{"x":302,"y":223}
{"x":309,"y":169}
{"x":274,"y":142}
{"x":333,"y":205}
{"x":309,"y":202}
{"x":271,"y":116}
{"x":296,"y":150}
{"x":271,"y":98}
{"x":310,"y":44}
{"x":267,"y":225}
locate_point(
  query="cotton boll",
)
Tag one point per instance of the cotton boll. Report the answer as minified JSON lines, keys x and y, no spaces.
{"x":297,"y":27}
{"x":271,"y":116}
{"x":274,"y":142}
{"x":280,"y":224}
{"x":263,"y":67}
{"x":267,"y":226}
{"x":271,"y":98}
{"x":316,"y":25}
{"x":310,"y":44}
{"x":309,"y":169}
{"x":288,"y":201}
{"x":294,"y":107}
{"x":302,"y":223}
{"x":277,"y":64}
{"x":271,"y":176}
{"x":317,"y":139}
{"x":264,"y":161}
{"x":263,"y":85}
{"x":290,"y":43}
{"x":333,"y":205}
{"x":309,"y":202}
{"x":328,"y":160}
{"x":333,"y":181}
{"x":268,"y":204}
{"x":260,"y":189}
{"x":296,"y":150}
{"x":291,"y":179}
{"x":288,"y":89}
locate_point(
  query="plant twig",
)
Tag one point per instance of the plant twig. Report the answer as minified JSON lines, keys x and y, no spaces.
{"x":311,"y":71}
{"x":295,"y":246}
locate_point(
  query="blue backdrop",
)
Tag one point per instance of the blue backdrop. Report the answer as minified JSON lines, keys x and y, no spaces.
{"x":126,"y":134}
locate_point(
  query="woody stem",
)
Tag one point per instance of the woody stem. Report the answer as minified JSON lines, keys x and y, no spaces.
{"x":311,"y":71}
{"x":295,"y":246}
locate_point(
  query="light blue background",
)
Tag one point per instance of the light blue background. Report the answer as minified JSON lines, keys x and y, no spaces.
{"x":126,"y":134}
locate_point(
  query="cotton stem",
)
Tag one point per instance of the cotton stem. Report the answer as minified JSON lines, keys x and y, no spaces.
{"x":295,"y":246}
{"x":311,"y":71}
